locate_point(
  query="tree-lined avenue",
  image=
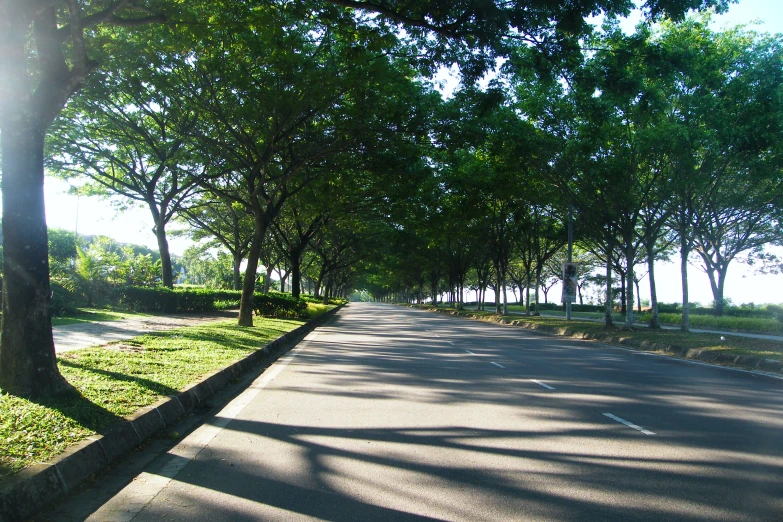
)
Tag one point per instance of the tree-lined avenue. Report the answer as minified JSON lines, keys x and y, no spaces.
{"x":390,"y":413}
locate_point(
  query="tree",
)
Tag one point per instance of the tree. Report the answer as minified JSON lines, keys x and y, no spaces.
{"x":34,"y":88}
{"x":128,"y":131}
{"x":61,"y":35}
{"x":226,"y":223}
{"x":730,"y":102}
{"x":203,"y":268}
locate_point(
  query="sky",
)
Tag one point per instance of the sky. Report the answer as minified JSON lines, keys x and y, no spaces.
{"x":90,"y":215}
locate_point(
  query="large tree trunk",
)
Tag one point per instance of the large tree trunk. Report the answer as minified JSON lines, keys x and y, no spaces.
{"x":716,"y":272}
{"x":167,"y":272}
{"x":296,"y":275}
{"x":718,"y":289}
{"x":249,"y":284}
{"x":27,"y":361}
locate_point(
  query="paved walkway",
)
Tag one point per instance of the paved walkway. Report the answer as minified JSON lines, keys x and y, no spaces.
{"x":82,"y":335}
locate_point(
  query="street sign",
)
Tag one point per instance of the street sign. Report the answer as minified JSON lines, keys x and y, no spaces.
{"x":569,"y":282}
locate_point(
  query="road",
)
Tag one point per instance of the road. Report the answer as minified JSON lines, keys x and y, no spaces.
{"x":390,"y":413}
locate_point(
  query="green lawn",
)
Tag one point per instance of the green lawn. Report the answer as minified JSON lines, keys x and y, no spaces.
{"x":732,"y":345}
{"x":120,"y":378}
{"x":707,"y":322}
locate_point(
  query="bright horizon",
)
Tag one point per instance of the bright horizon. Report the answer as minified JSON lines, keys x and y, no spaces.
{"x":96,"y":216}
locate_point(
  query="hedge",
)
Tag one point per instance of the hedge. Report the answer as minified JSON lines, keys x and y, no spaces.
{"x":179,"y":300}
{"x":279,"y":305}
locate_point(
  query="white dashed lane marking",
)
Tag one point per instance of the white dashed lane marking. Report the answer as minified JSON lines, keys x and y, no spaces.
{"x":548,"y":387}
{"x":498,"y":365}
{"x":629,"y":424}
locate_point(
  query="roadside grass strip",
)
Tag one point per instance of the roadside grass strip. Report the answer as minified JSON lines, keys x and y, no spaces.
{"x":118,"y":379}
{"x":731,"y":345}
{"x":629,"y":424}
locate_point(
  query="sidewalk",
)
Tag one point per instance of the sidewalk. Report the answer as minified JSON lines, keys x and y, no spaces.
{"x":81,"y":335}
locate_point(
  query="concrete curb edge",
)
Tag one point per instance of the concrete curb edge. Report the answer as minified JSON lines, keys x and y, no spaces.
{"x":706,"y":356}
{"x":29,"y":491}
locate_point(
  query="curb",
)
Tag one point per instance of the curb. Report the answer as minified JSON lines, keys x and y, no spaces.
{"x":27,"y":492}
{"x":741,"y":361}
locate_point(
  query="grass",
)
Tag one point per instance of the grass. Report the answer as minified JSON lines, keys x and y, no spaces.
{"x":748,"y":324}
{"x":317,"y":309}
{"x":732,"y":345}
{"x":118,"y":379}
{"x":728,"y":323}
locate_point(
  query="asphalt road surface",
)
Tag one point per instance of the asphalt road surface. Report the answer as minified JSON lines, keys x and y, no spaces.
{"x":390,"y":413}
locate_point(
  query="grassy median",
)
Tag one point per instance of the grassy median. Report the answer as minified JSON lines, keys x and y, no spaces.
{"x":735,"y":345}
{"x":118,"y":379}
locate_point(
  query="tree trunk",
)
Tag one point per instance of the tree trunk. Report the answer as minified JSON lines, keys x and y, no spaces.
{"x":497,"y":291}
{"x":629,"y":283}
{"x":165,"y":256}
{"x":717,"y":292}
{"x":655,"y":323}
{"x":685,"y":326}
{"x":608,"y":322}
{"x":638,"y":296}
{"x":505,"y":297}
{"x":237,"y":278}
{"x":27,"y":360}
{"x":623,"y":307}
{"x":249,"y":284}
{"x":537,"y":311}
{"x":296,"y":274}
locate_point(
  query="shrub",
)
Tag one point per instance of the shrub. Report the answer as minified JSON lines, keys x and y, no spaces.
{"x":320,"y":300}
{"x":179,"y":300}
{"x":63,"y":300}
{"x":279,"y":305}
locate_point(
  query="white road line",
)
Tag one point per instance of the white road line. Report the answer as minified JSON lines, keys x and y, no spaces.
{"x":548,"y":387}
{"x":450,"y":343}
{"x":498,"y":365}
{"x":468,"y":351}
{"x":629,"y":424}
